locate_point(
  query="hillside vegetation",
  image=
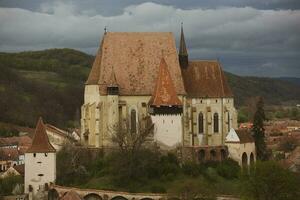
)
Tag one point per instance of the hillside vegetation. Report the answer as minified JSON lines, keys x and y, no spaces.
{"x":50,"y":83}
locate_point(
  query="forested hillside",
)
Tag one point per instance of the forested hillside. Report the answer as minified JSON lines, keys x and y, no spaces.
{"x":50,"y":83}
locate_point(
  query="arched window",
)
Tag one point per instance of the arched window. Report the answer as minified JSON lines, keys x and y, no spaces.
{"x":200,"y":123}
{"x":244,"y":159}
{"x":228,"y":117}
{"x":216,"y":123}
{"x":133,"y":121}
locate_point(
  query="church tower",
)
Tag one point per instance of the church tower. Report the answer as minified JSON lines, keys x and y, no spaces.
{"x":40,"y":161}
{"x":183,"y":54}
{"x":166,"y":110}
{"x":113,"y":104}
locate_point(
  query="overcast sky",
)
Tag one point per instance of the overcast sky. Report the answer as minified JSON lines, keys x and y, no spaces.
{"x":249,"y":37}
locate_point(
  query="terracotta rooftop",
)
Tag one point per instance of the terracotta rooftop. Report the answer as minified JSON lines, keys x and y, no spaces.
{"x":40,"y":142}
{"x":135,"y":57}
{"x":164,"y":93}
{"x":9,"y":154}
{"x":244,"y":136}
{"x":205,"y":79}
{"x":23,"y":141}
{"x":20,"y":169}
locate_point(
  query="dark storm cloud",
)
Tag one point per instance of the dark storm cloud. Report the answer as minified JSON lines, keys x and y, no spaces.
{"x":248,"y":40}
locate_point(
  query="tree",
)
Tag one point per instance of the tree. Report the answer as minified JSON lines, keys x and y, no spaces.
{"x":269,"y":181}
{"x":259,"y":131}
{"x":132,"y":160}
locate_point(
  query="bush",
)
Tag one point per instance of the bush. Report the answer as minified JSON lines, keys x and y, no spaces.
{"x":268,"y":180}
{"x":9,"y":183}
{"x":191,"y":169}
{"x":228,"y":169}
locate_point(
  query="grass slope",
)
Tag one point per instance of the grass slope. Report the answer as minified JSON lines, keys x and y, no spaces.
{"x":50,"y":83}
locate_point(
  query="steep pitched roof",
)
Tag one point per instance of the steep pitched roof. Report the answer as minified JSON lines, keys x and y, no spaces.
{"x":164,"y":93}
{"x":20,"y":169}
{"x":239,"y":136}
{"x":244,"y":136}
{"x":205,"y":79}
{"x":135,"y":57}
{"x":40,"y":142}
{"x":182,"y":47}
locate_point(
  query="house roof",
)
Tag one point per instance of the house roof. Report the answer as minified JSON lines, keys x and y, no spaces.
{"x":40,"y":142}
{"x":134,"y":58}
{"x":244,"y":136}
{"x":56,"y":130}
{"x":239,"y":136}
{"x":164,"y":93}
{"x":205,"y":79}
{"x":9,"y":154}
{"x":20,"y":169}
{"x":19,"y":141}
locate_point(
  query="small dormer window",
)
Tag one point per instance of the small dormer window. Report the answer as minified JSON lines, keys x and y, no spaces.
{"x":34,"y":154}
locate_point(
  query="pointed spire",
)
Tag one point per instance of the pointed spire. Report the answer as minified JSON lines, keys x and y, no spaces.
{"x":183,"y":54}
{"x":40,"y":142}
{"x":164,"y":93}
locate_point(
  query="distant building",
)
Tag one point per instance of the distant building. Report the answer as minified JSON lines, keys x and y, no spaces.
{"x":136,"y":75}
{"x":241,"y":146}
{"x":40,"y":161}
{"x":57,"y":136}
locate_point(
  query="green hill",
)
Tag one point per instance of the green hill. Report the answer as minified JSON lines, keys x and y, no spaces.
{"x":50,"y":83}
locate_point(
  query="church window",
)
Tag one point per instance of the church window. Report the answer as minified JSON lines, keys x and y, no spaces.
{"x":216,"y":123}
{"x":200,"y":123}
{"x":133,"y":121}
{"x":228,"y":116}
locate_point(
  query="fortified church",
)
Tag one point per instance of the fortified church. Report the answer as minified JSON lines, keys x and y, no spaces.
{"x":140,"y":74}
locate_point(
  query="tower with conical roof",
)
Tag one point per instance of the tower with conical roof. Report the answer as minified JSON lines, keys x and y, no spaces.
{"x":165,"y":109}
{"x":40,"y":161}
{"x":183,"y":54}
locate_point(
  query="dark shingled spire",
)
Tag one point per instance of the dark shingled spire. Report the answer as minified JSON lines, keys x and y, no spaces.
{"x":40,"y":142}
{"x":183,"y":54}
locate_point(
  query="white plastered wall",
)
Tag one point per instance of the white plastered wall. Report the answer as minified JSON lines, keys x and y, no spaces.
{"x":167,"y":129}
{"x":37,"y":166}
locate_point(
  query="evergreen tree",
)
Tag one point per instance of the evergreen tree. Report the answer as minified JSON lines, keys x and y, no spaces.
{"x":259,"y":131}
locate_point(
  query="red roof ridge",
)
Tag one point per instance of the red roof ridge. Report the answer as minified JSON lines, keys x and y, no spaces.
{"x":40,"y":141}
{"x":164,"y":93}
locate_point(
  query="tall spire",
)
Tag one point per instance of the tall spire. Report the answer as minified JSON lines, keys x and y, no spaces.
{"x":164,"y":93}
{"x":183,"y":54}
{"x":40,"y":142}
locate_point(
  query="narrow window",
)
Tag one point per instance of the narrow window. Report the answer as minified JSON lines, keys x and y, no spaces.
{"x":133,"y":121}
{"x":34,"y":154}
{"x":216,"y":123}
{"x":200,"y":123}
{"x":228,"y":116}
{"x":46,"y":154}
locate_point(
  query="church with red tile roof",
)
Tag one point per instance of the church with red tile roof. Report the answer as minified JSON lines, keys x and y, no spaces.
{"x":140,"y":74}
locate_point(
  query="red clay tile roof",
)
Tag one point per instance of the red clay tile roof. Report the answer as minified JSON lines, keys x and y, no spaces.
{"x":135,"y":57}
{"x":205,"y":79}
{"x":40,"y":142}
{"x":164,"y":93}
{"x":244,"y":136}
{"x":19,"y":141}
{"x":20,"y":169}
{"x":9,"y":154}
